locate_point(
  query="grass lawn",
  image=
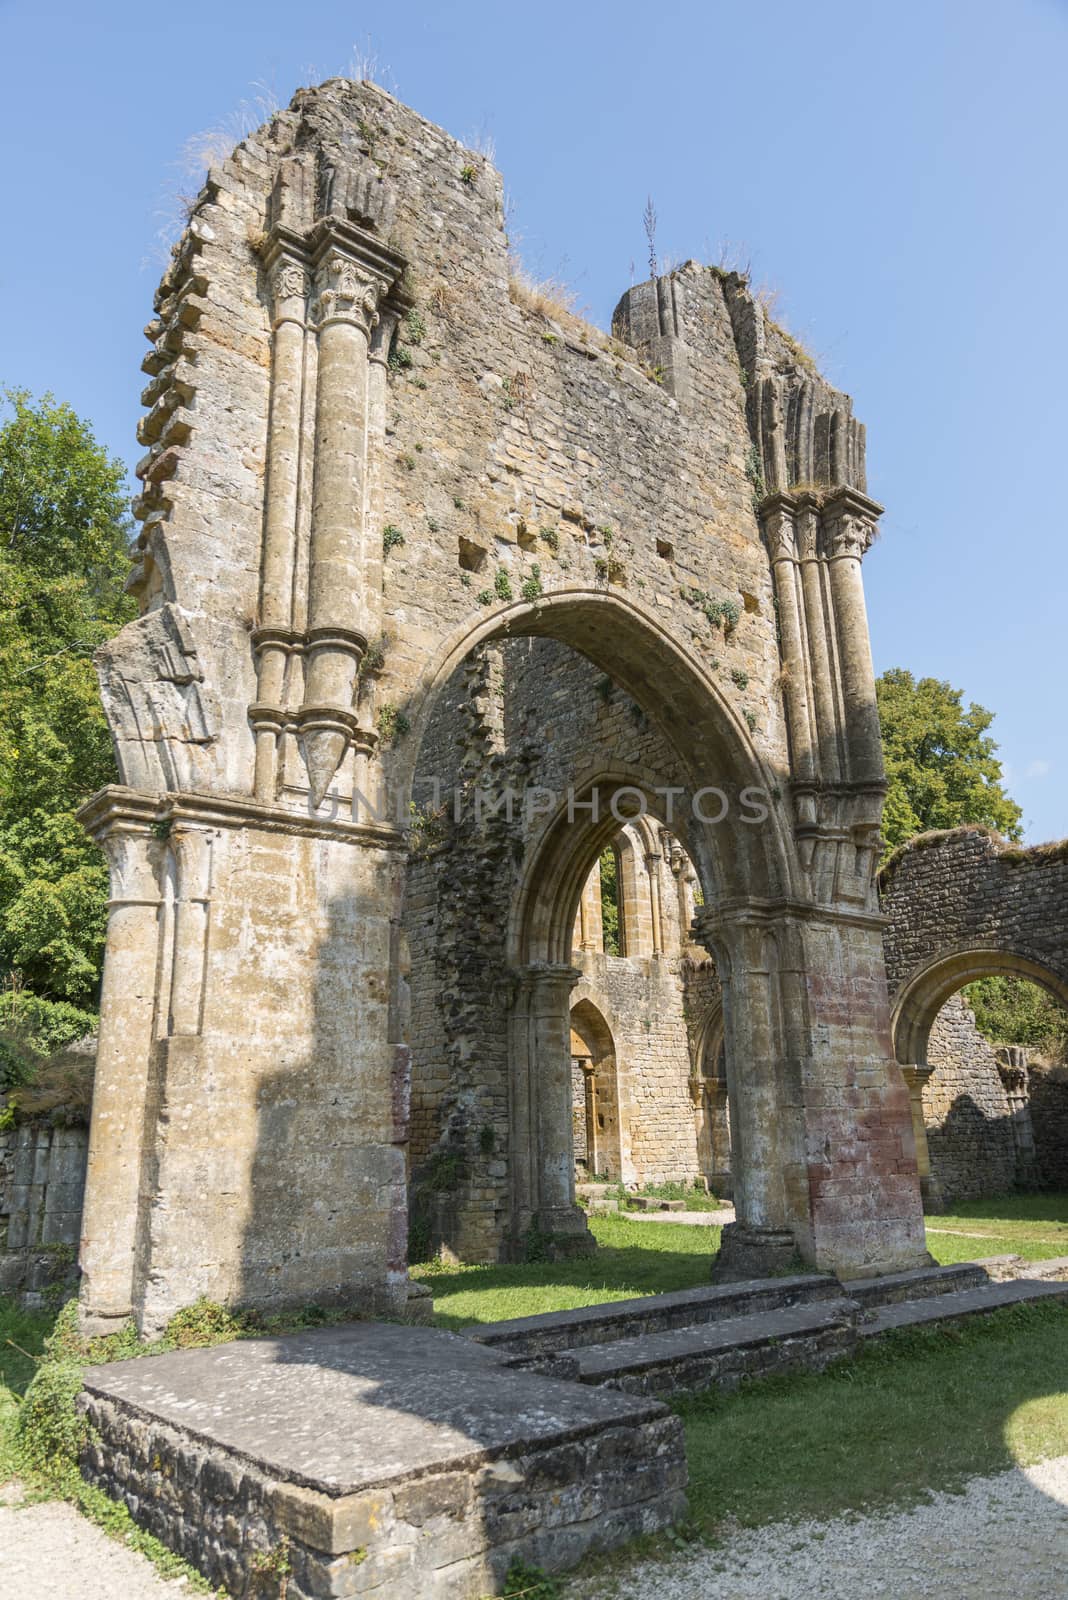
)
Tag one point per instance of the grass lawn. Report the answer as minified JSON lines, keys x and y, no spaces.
{"x":633,"y":1258}
{"x":922,"y":1410}
{"x":1034,"y":1226}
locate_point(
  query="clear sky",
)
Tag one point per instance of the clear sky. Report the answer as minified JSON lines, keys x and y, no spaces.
{"x":897,"y":171}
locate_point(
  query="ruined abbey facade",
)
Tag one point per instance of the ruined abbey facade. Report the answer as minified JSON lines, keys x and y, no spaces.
{"x":440,"y":597}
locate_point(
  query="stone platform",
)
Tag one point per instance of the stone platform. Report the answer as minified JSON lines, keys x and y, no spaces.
{"x":376,"y":1459}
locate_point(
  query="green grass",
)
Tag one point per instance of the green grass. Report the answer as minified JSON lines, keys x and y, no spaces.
{"x":634,"y":1258}
{"x":1034,"y":1226}
{"x":22,"y":1337}
{"x":922,"y":1410}
{"x":637,"y":1258}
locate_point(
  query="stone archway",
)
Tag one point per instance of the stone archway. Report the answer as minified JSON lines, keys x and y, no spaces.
{"x":597,"y":1116}
{"x":364,"y":460}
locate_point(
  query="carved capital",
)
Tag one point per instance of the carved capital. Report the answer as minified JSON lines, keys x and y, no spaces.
{"x":780,"y":530}
{"x":346,"y":292}
{"x":289,"y":281}
{"x":849,"y":536}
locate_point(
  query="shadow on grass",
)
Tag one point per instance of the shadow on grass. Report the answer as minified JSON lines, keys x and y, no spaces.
{"x":662,"y":1258}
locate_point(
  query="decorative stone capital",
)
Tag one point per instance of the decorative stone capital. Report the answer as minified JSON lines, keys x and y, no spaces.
{"x":347,"y":292}
{"x":778,"y":515}
{"x":849,"y":523}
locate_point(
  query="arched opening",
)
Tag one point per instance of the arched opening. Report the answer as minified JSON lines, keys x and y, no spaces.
{"x":982,"y":1037}
{"x":586,"y":702}
{"x":595,"y":1095}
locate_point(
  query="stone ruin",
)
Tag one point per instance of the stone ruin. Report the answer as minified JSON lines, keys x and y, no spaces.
{"x":376,"y":474}
{"x":443,"y":594}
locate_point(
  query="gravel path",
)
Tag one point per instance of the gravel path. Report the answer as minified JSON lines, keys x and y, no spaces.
{"x":1005,"y":1538}
{"x":50,"y":1552}
{"x":694,"y":1218}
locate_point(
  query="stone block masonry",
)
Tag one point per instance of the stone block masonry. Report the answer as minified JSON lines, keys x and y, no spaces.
{"x":373,"y":470}
{"x":376,"y":1460}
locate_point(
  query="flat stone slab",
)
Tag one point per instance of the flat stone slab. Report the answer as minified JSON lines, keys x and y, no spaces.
{"x":376,"y":1459}
{"x":551,"y":1331}
{"x":355,"y":1407}
{"x":693,"y":1219}
{"x":965,"y":1303}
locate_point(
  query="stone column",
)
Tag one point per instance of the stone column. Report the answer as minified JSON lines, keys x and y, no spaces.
{"x":917,"y":1075}
{"x":123,"y":1087}
{"x":340,"y":606}
{"x":718,"y":1114}
{"x":849,"y":529}
{"x":656,"y":917}
{"x":816,"y":606}
{"x":779,"y":533}
{"x":275,"y":637}
{"x":543,"y":1152}
{"x":192,"y":854}
{"x":764,"y":1101}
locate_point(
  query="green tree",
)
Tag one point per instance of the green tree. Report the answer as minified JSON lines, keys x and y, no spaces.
{"x":941,"y":764}
{"x":1015,"y":1011}
{"x":64,"y":533}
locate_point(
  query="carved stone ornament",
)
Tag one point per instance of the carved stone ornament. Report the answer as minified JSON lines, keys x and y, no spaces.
{"x":290,"y":281}
{"x":850,"y":536}
{"x":346,"y":291}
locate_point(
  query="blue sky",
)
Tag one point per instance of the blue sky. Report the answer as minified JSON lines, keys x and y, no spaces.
{"x":896,"y":172}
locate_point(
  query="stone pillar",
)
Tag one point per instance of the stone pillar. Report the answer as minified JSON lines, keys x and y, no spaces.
{"x":341,"y":611}
{"x":771,"y":1223}
{"x":718,"y":1114}
{"x":816,"y":607}
{"x":656,"y":913}
{"x":123,"y":1088}
{"x":917,"y":1075}
{"x":822,"y":1149}
{"x":542,"y":1132}
{"x":849,"y":529}
{"x":779,"y":532}
{"x":275,"y":637}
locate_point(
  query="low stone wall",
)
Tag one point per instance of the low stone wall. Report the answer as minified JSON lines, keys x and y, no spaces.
{"x":42,"y":1183}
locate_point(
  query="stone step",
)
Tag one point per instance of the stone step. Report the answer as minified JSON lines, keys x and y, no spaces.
{"x":556,"y":1331}
{"x":600,"y":1208}
{"x":969,"y":1302}
{"x":917,"y":1284}
{"x":652,"y":1202}
{"x":809,"y":1335}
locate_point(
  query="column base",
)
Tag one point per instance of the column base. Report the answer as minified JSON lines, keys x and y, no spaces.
{"x":558,"y":1235}
{"x":753,"y":1253}
{"x":934,"y":1201}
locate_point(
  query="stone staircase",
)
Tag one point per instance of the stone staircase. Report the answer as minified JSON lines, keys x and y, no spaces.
{"x":661,"y":1345}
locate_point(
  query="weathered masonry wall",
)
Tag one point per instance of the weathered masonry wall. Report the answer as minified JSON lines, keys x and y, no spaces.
{"x":961,"y":905}
{"x":42,"y":1184}
{"x":966,"y":1110}
{"x":374,"y":465}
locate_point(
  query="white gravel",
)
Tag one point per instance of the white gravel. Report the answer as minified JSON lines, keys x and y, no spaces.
{"x":1004,"y":1538}
{"x":50,"y":1552}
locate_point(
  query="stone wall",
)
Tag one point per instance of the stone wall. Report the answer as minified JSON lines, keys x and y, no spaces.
{"x":42,"y":1183}
{"x":370,"y":457}
{"x":966,"y":1109}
